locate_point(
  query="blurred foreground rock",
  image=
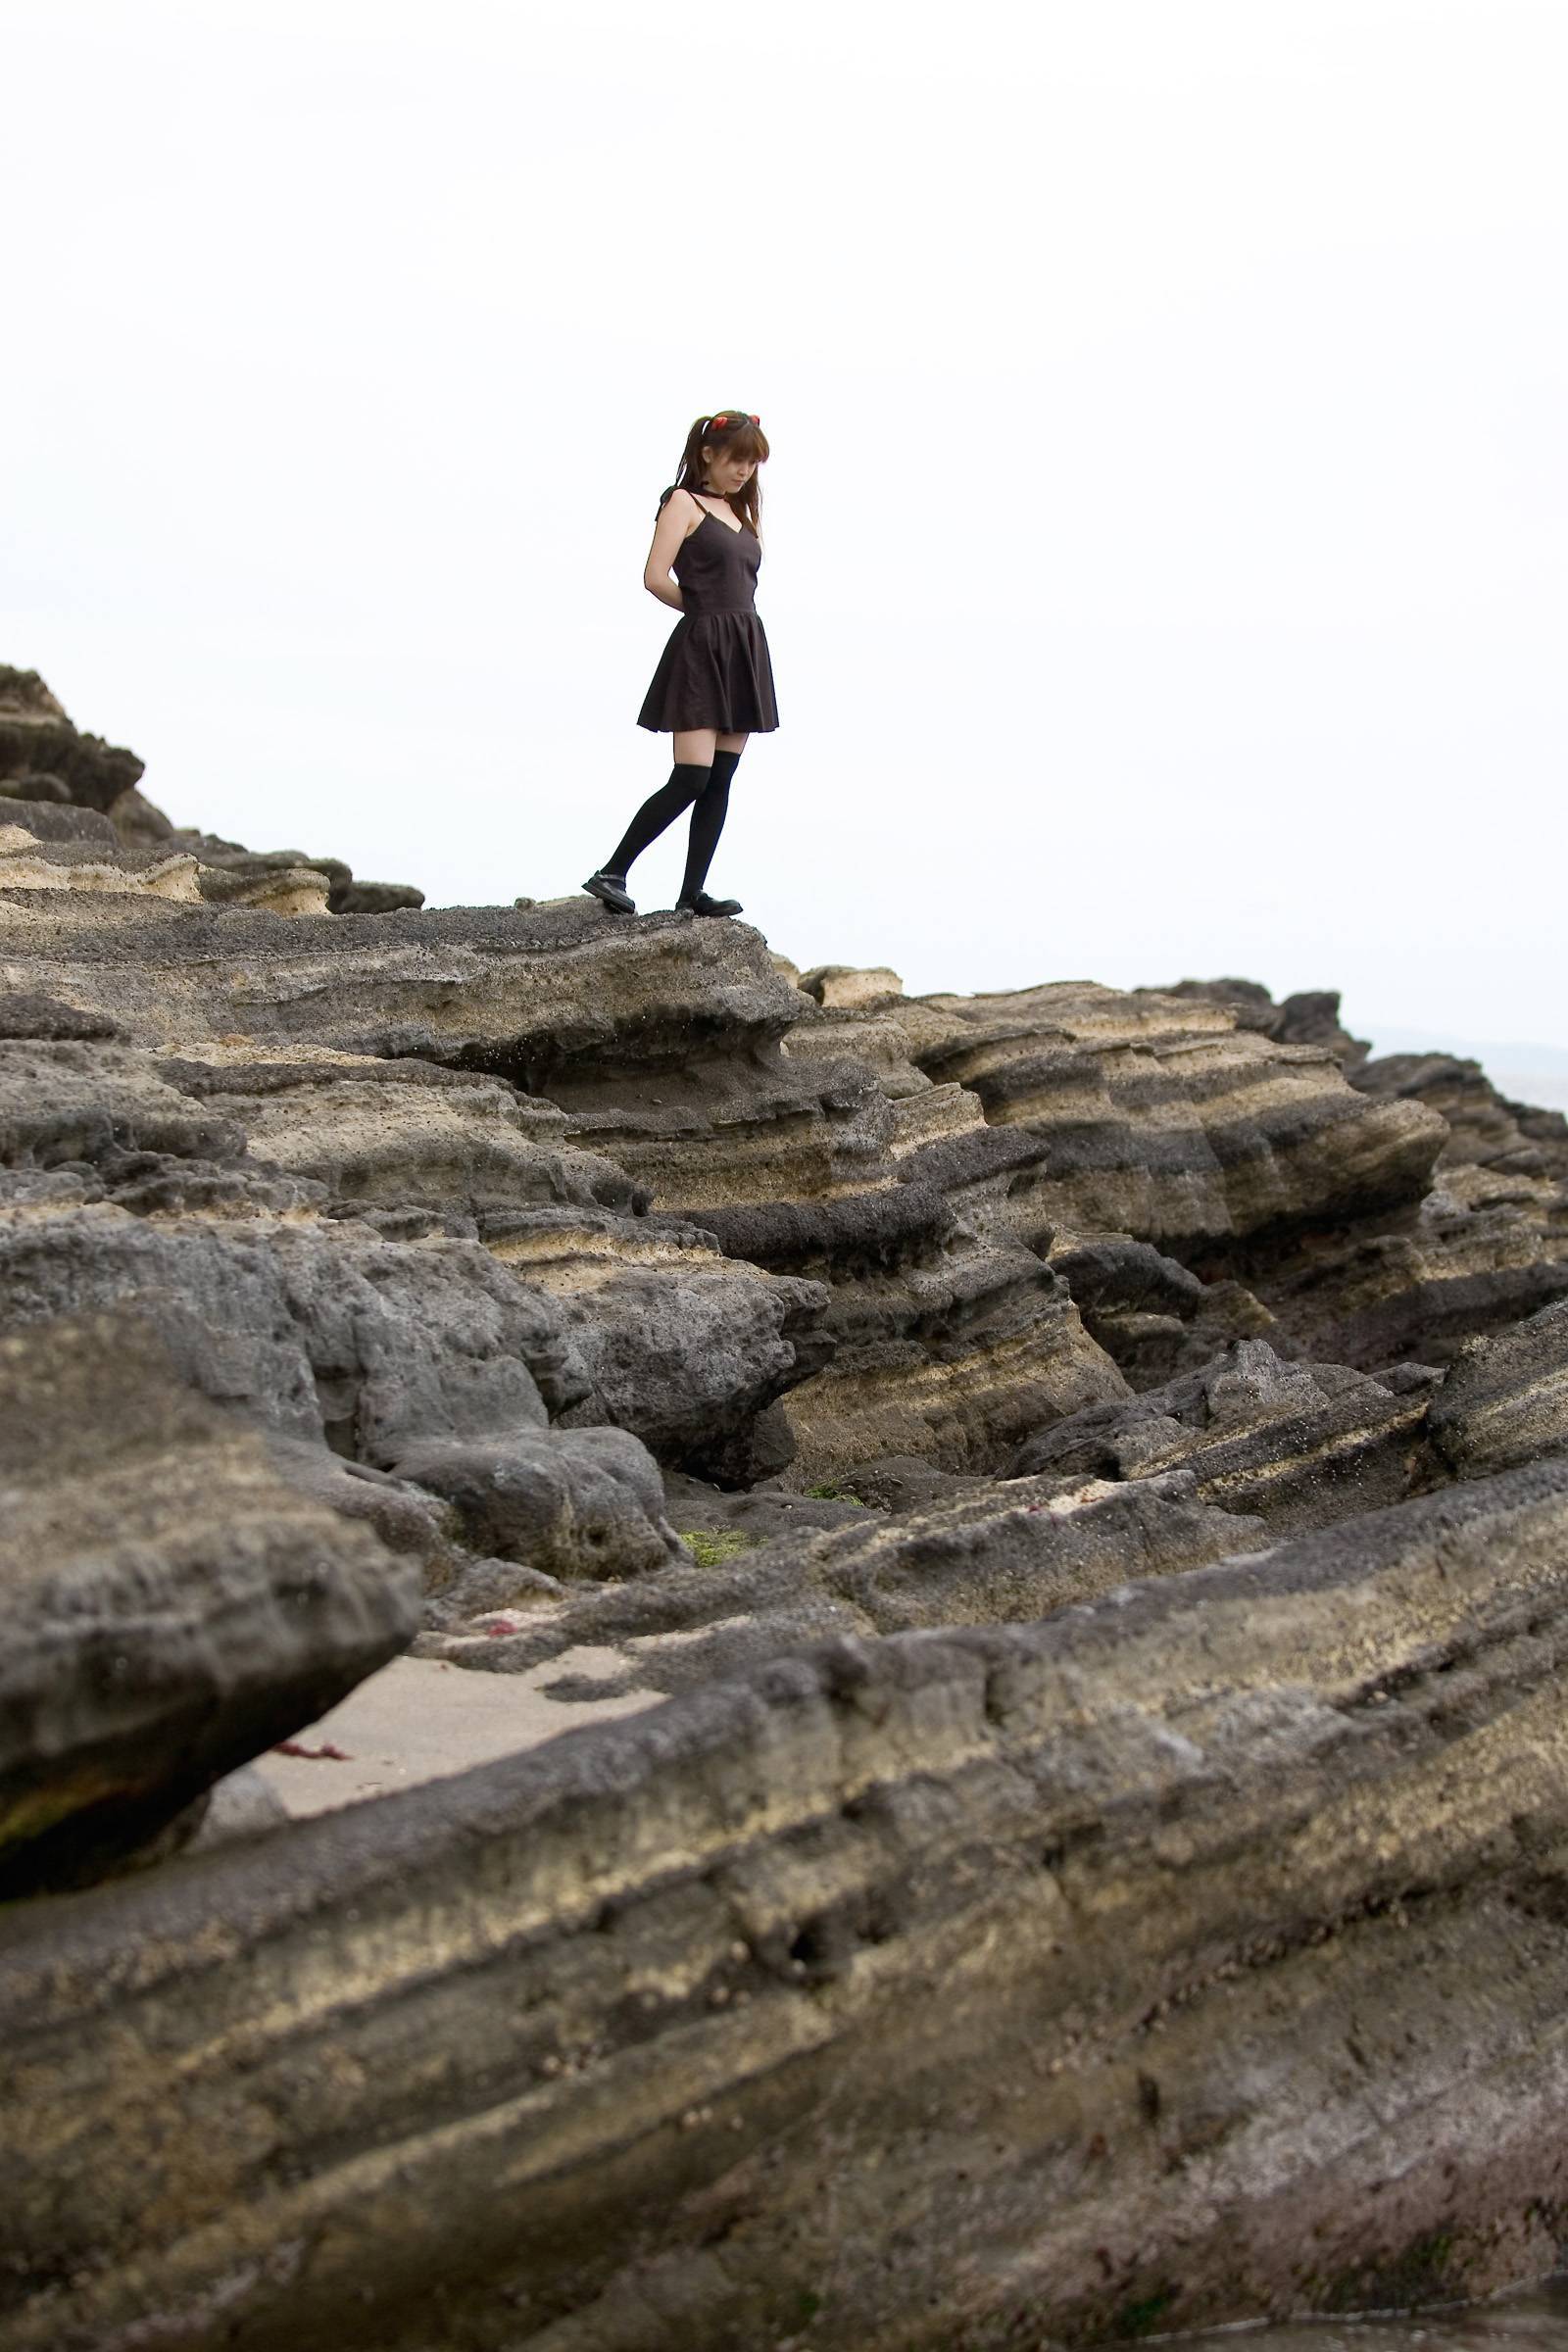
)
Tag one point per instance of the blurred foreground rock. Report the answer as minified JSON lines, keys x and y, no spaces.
{"x":1058,"y":1958}
{"x":170,"y":1610}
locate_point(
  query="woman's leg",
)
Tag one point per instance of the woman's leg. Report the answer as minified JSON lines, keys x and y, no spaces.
{"x":688,"y":780}
{"x":709,"y":812}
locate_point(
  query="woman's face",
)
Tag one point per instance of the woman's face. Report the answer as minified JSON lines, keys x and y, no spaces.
{"x":727,"y":473}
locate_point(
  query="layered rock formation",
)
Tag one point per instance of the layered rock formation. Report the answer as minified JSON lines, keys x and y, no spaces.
{"x":45,"y":761}
{"x":1506,"y":1399}
{"x":1301,"y":1444}
{"x":170,"y":1607}
{"x":657,"y":1047}
{"x":1191,"y":1122}
{"x":930,"y":1989}
{"x":1075,"y":1483}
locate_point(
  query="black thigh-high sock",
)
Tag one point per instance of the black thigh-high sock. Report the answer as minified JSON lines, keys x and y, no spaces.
{"x":709,"y":812}
{"x":687,"y":782}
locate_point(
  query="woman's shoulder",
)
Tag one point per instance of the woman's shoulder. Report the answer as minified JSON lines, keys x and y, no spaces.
{"x":677,"y":490}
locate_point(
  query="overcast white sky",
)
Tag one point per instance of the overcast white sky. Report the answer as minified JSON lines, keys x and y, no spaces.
{"x":1164,"y":538}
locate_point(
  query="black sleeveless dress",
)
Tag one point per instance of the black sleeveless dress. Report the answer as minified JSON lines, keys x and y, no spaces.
{"x":714,"y":671}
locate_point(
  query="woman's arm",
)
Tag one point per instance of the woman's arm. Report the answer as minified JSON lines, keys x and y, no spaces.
{"x":674,"y":522}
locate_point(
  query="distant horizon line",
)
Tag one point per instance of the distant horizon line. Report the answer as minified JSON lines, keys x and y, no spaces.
{"x":1522,"y":1052}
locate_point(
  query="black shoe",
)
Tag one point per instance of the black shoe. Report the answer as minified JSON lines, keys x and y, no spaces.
{"x":610,"y":889}
{"x":704,"y":905}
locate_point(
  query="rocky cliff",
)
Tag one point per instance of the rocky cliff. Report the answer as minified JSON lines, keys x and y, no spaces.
{"x":1073,"y":1486}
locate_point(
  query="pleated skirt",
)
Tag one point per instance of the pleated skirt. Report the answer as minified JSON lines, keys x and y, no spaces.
{"x":714,"y":671}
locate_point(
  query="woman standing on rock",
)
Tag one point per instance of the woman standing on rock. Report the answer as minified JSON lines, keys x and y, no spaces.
{"x":715,"y":681}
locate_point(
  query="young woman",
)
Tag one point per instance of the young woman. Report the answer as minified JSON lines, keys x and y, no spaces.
{"x":715,"y":681}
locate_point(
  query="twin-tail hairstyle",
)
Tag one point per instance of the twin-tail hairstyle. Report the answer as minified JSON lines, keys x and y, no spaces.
{"x":737,"y":433}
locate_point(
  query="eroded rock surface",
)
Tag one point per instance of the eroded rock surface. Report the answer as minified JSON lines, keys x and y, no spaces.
{"x":39,"y":747}
{"x":1197,"y":1121}
{"x":1017,"y":1548}
{"x":1056,"y":1957}
{"x":1310,"y":1018}
{"x":1506,"y":1399}
{"x":113,"y":838}
{"x":1301,"y":1444}
{"x":660,"y":1049}
{"x":1168,"y":1121}
{"x":1072,"y":1484}
{"x":170,"y":1607}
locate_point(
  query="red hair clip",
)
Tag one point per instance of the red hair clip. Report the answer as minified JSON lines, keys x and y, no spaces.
{"x":728,"y":420}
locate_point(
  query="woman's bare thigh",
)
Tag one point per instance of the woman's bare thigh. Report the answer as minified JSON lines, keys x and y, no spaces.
{"x":697,"y":745}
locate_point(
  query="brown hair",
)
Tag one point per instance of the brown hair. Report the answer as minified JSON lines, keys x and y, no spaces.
{"x":737,"y":436}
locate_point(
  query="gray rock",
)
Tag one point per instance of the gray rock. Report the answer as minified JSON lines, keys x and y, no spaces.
{"x":321,"y":1333}
{"x":1506,"y":1399}
{"x":65,"y":827}
{"x":138,"y":821}
{"x":1488,"y":1246}
{"x":404,"y":1133}
{"x":373,"y":898}
{"x":243,"y":1805}
{"x":999,"y":1551}
{"x":972,"y":1946}
{"x":50,"y":848}
{"x":683,"y":1347}
{"x":998,"y":1984}
{"x":1310,"y":1018}
{"x":664,"y":1044}
{"x":408,"y":1521}
{"x":1485,"y":1130}
{"x":693,"y":1506}
{"x":905,"y":1483}
{"x":29,"y":787}
{"x":1301,"y":1444}
{"x":1114,"y":1273}
{"x":569,"y":1502}
{"x":1169,"y":1122}
{"x":67,"y":1102}
{"x":657,"y":1332}
{"x":44,"y":758}
{"x":38,"y":742}
{"x":1419,"y":1284}
{"x":32,"y":1017}
{"x":171,"y":1609}
{"x":289,"y":881}
{"x":550,"y":991}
